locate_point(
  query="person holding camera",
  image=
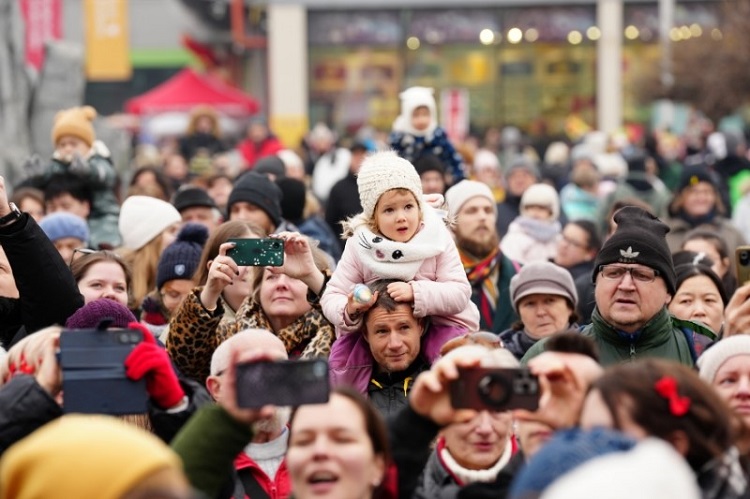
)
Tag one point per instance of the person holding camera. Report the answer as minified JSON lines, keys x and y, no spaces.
{"x":634,"y":280}
{"x":336,"y":449}
{"x":284,"y":300}
{"x":36,"y":287}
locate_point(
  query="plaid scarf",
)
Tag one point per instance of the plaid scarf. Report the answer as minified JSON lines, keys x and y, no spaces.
{"x":482,"y":275}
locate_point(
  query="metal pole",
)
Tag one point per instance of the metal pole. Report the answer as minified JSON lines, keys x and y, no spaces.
{"x":609,"y":66}
{"x":666,"y":22}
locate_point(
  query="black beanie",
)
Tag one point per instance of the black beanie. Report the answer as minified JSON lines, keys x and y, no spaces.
{"x":293,"y":199}
{"x":259,"y":190}
{"x":272,"y":165}
{"x":429,"y":163}
{"x":189,"y":197}
{"x":639,"y":238}
{"x":180,"y":259}
{"x":693,"y":174}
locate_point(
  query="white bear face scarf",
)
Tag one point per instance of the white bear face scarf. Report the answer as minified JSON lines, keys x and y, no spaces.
{"x":394,"y":260}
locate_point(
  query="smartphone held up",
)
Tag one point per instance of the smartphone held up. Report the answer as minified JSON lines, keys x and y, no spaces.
{"x":282,"y":383}
{"x":257,"y":252}
{"x":742,"y":258}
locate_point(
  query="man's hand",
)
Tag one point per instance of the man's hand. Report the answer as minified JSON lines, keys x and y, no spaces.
{"x":564,"y":379}
{"x":430,"y":395}
{"x":737,"y":313}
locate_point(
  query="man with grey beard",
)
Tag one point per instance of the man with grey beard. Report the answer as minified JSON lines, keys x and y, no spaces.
{"x":473,"y":211}
{"x":261,"y":466}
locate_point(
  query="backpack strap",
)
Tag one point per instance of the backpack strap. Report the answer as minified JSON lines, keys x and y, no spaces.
{"x":252,"y":487}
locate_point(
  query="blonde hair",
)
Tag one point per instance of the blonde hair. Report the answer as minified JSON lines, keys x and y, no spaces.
{"x":352,"y":223}
{"x":144,"y":262}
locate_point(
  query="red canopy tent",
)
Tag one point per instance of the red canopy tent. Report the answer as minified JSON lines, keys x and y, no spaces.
{"x":188,"y":89}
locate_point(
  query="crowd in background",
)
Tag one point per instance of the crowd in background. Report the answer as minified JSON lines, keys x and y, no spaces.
{"x":610,"y":265}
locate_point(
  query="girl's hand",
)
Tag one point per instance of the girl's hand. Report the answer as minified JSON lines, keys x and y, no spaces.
{"x":355,"y":309}
{"x":221,"y":273}
{"x":401,"y":292}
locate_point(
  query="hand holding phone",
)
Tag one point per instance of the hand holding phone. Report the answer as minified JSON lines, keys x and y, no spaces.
{"x":255,"y":252}
{"x":282,"y":383}
{"x":742,"y":267}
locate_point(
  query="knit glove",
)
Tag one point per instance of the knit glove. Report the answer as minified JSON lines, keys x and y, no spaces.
{"x":148,"y":360}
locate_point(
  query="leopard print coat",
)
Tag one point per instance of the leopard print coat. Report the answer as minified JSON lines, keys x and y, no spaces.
{"x":194,"y":333}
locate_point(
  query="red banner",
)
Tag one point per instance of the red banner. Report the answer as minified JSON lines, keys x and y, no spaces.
{"x":43,"y":20}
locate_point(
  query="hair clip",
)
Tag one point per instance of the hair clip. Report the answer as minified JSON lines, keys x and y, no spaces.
{"x":667,"y":388}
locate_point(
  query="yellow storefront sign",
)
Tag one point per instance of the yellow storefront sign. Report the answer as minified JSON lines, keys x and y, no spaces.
{"x":107,"y":54}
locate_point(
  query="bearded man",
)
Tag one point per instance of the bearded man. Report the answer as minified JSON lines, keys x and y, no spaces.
{"x":473,"y":211}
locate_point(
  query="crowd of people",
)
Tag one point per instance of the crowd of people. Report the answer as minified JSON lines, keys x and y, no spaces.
{"x":608,"y":270}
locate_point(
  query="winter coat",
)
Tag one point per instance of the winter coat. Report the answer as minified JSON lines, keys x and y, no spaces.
{"x":277,"y":487}
{"x":657,"y":197}
{"x":48,"y":294}
{"x":447,"y":305}
{"x":329,"y":169}
{"x":412,"y":147}
{"x":678,"y":229}
{"x":581,"y":269}
{"x":252,"y":152}
{"x":194,"y":333}
{"x":315,"y":228}
{"x":389,"y":392}
{"x":578,"y":204}
{"x":191,"y":145}
{"x":663,"y":336}
{"x":25,"y":406}
{"x":521,"y":244}
{"x":507,"y":211}
{"x":438,"y":482}
{"x":99,"y":174}
{"x":344,"y":203}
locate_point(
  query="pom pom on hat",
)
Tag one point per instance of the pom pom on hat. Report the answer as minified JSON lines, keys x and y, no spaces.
{"x":77,"y":122}
{"x":60,"y":225}
{"x":721,"y":351}
{"x":460,"y":193}
{"x":180,"y":259}
{"x":142,"y":218}
{"x":90,"y":315}
{"x":382,"y":172}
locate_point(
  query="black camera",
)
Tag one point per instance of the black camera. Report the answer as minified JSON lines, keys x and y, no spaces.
{"x":495,"y":389}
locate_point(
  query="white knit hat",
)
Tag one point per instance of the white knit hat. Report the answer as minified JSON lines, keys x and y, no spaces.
{"x":542,"y":195}
{"x":411,"y":99}
{"x":610,"y":476}
{"x":465,"y":190}
{"x":142,"y":218}
{"x":723,"y":350}
{"x":384,"y":171}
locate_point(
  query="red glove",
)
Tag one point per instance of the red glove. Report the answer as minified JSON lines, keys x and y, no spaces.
{"x":151,"y":361}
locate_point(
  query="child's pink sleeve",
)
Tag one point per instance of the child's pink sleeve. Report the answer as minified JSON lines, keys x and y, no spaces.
{"x":336,"y":295}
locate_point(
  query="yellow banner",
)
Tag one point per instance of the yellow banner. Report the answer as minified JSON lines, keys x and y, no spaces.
{"x":107,"y":51}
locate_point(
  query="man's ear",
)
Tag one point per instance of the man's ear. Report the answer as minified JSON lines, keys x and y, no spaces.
{"x":668,"y":300}
{"x":213,"y":385}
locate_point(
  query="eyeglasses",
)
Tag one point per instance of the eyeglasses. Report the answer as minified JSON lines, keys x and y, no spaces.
{"x":562,"y":237}
{"x":616,"y":273}
{"x":80,"y":252}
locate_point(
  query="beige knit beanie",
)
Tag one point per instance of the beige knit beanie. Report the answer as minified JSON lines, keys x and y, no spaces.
{"x":385,"y":171}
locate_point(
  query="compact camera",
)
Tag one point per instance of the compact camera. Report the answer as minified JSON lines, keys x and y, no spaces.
{"x":495,"y":389}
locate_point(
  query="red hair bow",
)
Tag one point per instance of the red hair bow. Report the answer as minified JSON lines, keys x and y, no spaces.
{"x":667,"y":388}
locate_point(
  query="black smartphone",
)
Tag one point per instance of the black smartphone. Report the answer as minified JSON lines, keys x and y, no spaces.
{"x":282,"y":383}
{"x":495,"y":389}
{"x":93,"y":372}
{"x":256,"y":252}
{"x":742,"y":264}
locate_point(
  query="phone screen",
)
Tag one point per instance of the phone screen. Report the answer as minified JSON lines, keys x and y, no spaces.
{"x":256,"y":252}
{"x":282,"y":383}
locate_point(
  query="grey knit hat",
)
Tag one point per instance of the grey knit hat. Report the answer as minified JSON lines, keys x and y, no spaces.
{"x":542,"y":278}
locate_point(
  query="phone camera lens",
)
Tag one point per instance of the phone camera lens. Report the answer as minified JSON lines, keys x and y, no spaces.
{"x":123,"y":338}
{"x":494,"y":390}
{"x":744,"y":257}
